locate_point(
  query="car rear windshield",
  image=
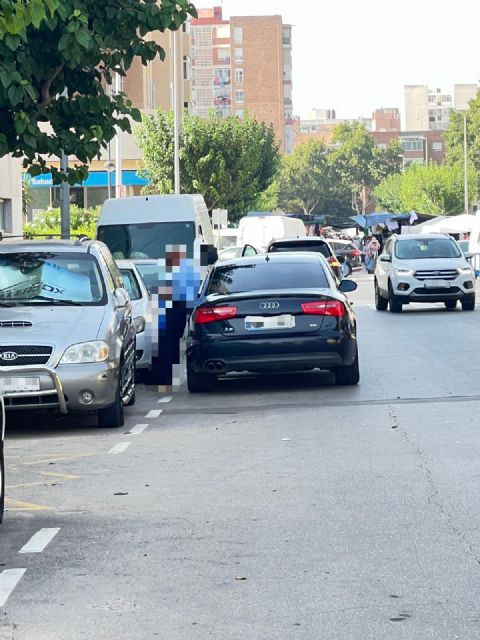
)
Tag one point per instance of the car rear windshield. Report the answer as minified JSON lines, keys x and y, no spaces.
{"x":416,"y":249}
{"x":131,"y":284}
{"x":148,"y":240}
{"x":267,"y":276}
{"x":317,"y":247}
{"x":36,"y":277}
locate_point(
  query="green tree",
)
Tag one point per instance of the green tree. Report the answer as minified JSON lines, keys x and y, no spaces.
{"x":454,"y":137}
{"x":74,"y":47}
{"x":433,"y":189}
{"x":360,"y":164}
{"x":230,"y":161}
{"x":305,"y":178}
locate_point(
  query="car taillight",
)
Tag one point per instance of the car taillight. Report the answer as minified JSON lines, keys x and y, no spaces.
{"x":333,"y":261}
{"x":204,"y":315}
{"x":356,"y":252}
{"x":331,"y":308}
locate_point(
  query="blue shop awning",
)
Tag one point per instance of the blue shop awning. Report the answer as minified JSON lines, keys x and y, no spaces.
{"x":95,"y":179}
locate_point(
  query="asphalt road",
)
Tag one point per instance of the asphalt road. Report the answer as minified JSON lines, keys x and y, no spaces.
{"x":274,"y":508}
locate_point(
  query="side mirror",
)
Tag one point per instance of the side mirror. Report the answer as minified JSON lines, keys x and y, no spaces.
{"x":121,"y":298}
{"x":385,"y":257}
{"x":468,"y":256}
{"x":347,"y":286}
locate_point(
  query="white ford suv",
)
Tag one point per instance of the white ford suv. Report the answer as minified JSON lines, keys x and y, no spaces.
{"x":423,"y":268}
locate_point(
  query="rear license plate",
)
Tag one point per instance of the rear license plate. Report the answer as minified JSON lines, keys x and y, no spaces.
{"x":266,"y":323}
{"x":437,"y":284}
{"x":19,"y":385}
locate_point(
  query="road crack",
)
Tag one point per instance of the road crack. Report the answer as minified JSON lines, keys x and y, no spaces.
{"x":434,"y":499}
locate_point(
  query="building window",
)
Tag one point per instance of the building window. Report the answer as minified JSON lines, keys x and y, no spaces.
{"x":6,"y":215}
{"x":413,"y":144}
{"x":240,"y":97}
{"x":186,"y":68}
{"x":381,"y":145}
{"x":437,"y":146}
{"x":238,"y":76}
{"x":238,"y":35}
{"x":221,"y":77}
{"x":239,"y":113}
{"x":238,"y":54}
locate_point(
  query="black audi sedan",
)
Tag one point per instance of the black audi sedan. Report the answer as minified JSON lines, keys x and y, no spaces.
{"x":272,"y":313}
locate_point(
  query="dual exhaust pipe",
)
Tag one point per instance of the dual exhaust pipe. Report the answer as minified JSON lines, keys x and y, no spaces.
{"x":215,"y":365}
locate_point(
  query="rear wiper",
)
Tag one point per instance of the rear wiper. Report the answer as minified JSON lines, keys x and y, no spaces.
{"x":57,"y":301}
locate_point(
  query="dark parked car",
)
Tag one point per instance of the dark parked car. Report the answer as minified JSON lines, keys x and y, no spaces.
{"x":309,"y":243}
{"x":274,"y":312}
{"x":348,"y":253}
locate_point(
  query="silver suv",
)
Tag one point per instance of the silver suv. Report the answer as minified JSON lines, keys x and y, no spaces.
{"x":423,"y":268}
{"x":67,"y":337}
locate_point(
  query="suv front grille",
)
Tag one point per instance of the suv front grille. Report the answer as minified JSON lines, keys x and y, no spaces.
{"x":21,"y":355}
{"x":436,"y":274}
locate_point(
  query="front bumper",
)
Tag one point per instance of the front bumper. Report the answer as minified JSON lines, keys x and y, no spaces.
{"x":410,"y":289}
{"x":296,"y":354}
{"x":61,"y":389}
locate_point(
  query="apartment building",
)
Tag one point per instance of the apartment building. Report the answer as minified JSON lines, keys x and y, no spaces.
{"x":386,"y":120}
{"x":243,"y":64}
{"x":321,"y":125}
{"x":429,"y":109}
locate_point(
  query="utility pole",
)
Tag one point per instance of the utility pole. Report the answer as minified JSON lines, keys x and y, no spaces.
{"x":118,"y":147}
{"x":64,"y":193}
{"x":465,"y":162}
{"x":176,"y":115}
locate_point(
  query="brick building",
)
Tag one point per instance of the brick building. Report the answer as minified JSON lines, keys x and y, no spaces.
{"x":243,"y":64}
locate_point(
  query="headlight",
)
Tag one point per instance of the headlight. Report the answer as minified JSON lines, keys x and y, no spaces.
{"x":139,"y":324}
{"x":466,"y":271}
{"x":404,"y":272}
{"x":84,"y":352}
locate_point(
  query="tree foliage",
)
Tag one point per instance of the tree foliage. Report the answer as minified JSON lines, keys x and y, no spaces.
{"x":305,"y":178}
{"x":74,"y":47}
{"x":433,"y":189}
{"x":455,"y":135}
{"x":82,"y":222}
{"x":360,"y":164}
{"x":230,"y":161}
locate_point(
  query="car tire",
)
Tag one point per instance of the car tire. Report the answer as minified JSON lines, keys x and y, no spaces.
{"x":2,"y":481}
{"x":395,"y":306}
{"x":450,"y":304}
{"x":348,"y":376}
{"x":199,"y":382}
{"x":381,"y":303}
{"x":112,"y":417}
{"x":468,"y":304}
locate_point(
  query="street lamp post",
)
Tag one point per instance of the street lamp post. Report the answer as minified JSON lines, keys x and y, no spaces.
{"x":176,"y":115}
{"x":109,"y":168}
{"x":64,"y":192}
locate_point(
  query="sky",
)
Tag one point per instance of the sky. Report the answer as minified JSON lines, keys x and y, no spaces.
{"x":355,"y":56}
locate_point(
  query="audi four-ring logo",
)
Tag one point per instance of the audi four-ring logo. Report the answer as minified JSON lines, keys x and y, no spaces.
{"x":270,"y":305}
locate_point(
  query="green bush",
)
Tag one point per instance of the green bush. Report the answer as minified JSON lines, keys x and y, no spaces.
{"x":82,"y":222}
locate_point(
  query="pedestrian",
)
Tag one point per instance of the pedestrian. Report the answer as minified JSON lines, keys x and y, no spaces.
{"x":371,"y":253}
{"x":173,"y":303}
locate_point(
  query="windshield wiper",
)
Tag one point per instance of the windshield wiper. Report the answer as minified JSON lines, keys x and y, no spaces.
{"x":57,"y":301}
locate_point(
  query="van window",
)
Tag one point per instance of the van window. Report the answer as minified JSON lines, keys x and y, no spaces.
{"x":148,"y":240}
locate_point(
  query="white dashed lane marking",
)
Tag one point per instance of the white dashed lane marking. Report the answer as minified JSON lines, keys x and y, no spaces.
{"x":9,"y":578}
{"x":39,"y":541}
{"x":155,"y":413}
{"x":164,"y":400}
{"x":119,"y":448}
{"x":138,"y":429}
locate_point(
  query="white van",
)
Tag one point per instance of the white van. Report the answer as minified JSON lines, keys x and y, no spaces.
{"x":259,"y":231}
{"x":140,"y":227}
